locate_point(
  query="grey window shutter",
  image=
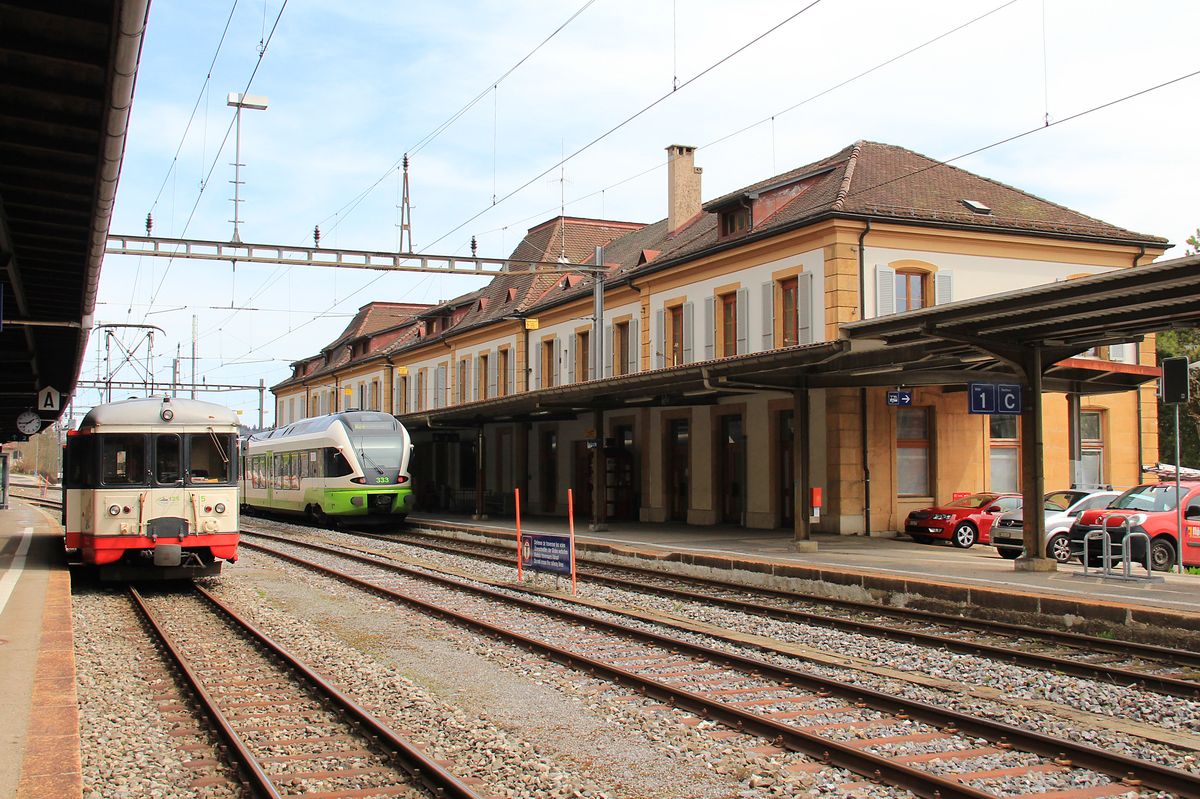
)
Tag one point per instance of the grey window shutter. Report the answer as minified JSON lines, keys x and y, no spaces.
{"x":943,"y":287}
{"x":537,"y":364}
{"x":710,"y":326}
{"x":439,"y":386}
{"x":572,"y":345}
{"x":768,"y":315}
{"x":635,"y":347}
{"x":611,"y":350}
{"x":742,"y":305}
{"x":480,"y":377}
{"x":689,"y":324}
{"x":556,"y":364}
{"x":885,"y":290}
{"x":660,"y":344}
{"x":493,"y":377}
{"x":804,"y":309}
{"x":512,"y":371}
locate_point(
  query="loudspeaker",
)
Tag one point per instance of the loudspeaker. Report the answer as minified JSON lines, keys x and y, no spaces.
{"x":1174,"y":380}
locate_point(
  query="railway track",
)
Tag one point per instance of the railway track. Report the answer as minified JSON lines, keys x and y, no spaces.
{"x":1165,"y":670}
{"x":35,"y":498}
{"x":932,"y":751}
{"x":290,"y":731}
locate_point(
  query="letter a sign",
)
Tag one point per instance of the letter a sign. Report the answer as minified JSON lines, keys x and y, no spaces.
{"x":49,"y":399}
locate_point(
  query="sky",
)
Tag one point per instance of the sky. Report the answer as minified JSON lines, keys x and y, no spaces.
{"x":759,"y":87}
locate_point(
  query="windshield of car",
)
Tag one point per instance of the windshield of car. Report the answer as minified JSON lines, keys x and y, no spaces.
{"x":971,"y":501}
{"x":1059,"y":501}
{"x":1148,"y":498}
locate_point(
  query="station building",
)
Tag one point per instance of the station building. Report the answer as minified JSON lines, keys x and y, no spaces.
{"x":770,"y":272}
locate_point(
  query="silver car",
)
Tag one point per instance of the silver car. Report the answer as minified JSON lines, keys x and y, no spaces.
{"x":1062,"y":508}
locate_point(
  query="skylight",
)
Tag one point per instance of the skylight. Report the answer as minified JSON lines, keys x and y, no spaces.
{"x":977,"y":206}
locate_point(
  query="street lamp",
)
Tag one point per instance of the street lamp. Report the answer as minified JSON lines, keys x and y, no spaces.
{"x":240,"y":101}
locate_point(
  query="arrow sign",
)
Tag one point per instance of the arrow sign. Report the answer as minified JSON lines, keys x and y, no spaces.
{"x":899,"y":398}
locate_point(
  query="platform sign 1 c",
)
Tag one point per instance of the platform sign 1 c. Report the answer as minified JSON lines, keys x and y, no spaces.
{"x":990,"y":398}
{"x":546,"y":552}
{"x":900,"y":398}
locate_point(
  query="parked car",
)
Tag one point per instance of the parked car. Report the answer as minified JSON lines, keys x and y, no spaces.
{"x":963,"y":522}
{"x":1150,"y":509}
{"x":1061,"y":508}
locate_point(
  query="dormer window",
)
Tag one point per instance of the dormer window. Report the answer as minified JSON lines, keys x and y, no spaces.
{"x":735,"y":221}
{"x":512,"y":295}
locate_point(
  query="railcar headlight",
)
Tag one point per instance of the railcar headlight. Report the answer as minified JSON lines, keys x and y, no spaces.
{"x":114,"y":510}
{"x":219,"y":507}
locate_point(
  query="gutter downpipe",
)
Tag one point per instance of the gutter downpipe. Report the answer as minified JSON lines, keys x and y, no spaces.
{"x":862,"y":397}
{"x":1138,"y":393}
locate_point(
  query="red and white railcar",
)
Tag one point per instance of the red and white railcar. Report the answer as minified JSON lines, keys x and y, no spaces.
{"x":150,"y":488}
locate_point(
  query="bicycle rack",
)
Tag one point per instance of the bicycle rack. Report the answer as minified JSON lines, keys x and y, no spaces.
{"x":1106,"y":571}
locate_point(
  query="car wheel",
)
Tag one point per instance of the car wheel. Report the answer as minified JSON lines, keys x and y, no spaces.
{"x":1059,"y":548}
{"x":964,"y":536}
{"x":1009,"y":553}
{"x":922,"y":539}
{"x":1162,"y":554}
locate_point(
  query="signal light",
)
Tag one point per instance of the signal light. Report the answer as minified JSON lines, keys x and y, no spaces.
{"x":113,"y":510}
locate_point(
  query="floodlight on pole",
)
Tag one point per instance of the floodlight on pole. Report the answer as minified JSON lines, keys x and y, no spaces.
{"x":240,"y":101}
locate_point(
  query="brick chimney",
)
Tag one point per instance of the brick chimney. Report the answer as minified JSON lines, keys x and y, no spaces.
{"x":683,"y":187}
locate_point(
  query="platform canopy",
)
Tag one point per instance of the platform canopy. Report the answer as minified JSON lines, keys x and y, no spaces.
{"x":68,"y":73}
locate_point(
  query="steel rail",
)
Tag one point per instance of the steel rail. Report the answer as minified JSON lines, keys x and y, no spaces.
{"x":246,"y":761}
{"x":1116,"y":765}
{"x":411,"y":759}
{"x":416,"y":763}
{"x":1175,"y":687}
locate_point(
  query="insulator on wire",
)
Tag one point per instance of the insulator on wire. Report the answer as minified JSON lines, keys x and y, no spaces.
{"x":316,"y":235}
{"x":474,"y":246}
{"x":405,"y":162}
{"x":149,"y":223}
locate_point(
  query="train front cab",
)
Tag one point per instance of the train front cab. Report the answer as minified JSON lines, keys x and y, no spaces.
{"x":152,"y":505}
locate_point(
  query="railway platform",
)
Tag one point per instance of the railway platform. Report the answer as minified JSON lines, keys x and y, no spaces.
{"x":39,"y":757}
{"x":896,"y":569}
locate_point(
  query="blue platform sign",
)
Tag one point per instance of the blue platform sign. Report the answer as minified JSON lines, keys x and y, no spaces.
{"x":991,"y":398}
{"x":981,"y":397}
{"x":1008,"y":399}
{"x":900,"y":398}
{"x":546,"y":552}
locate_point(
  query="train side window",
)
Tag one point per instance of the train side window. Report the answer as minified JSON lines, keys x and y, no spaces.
{"x":81,"y":462}
{"x":336,"y":464}
{"x":123,"y":459}
{"x":166,"y":458}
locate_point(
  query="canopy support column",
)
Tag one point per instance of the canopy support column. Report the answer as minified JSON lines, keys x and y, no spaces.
{"x":1033,"y":476}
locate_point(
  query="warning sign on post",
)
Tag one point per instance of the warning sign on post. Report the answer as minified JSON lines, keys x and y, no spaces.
{"x":546,"y":552}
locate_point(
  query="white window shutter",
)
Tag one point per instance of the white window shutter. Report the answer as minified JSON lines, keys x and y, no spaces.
{"x":537,"y":365}
{"x":493,"y":377}
{"x":804,"y":310}
{"x":556,"y":364}
{"x":885,"y":290}
{"x":480,"y":378}
{"x":710,"y":327}
{"x":660,"y":344}
{"x":610,"y":345}
{"x":571,"y":352}
{"x":689,"y":324}
{"x":768,"y":315}
{"x":635,"y":347}
{"x":512,"y":371}
{"x":943,"y":287}
{"x":742,"y":306}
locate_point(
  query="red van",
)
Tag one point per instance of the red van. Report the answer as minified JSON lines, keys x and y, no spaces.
{"x":1150,"y":509}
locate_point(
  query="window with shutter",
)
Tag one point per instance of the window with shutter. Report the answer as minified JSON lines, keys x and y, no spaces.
{"x":885,"y":290}
{"x":768,"y":316}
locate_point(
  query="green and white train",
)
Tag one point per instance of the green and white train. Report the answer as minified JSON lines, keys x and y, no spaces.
{"x":349,"y":466}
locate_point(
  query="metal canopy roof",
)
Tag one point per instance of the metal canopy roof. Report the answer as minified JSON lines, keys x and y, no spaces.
{"x":948,"y":345}
{"x":67,"y":69}
{"x":1063,"y":318}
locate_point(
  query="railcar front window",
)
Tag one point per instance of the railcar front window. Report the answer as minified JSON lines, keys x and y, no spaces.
{"x":123,"y":459}
{"x":209,"y":458}
{"x":167,"y":459}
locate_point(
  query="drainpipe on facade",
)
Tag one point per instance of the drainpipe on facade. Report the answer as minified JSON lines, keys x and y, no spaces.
{"x":862,"y":397}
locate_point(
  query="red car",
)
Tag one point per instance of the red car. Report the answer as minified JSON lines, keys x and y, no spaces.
{"x":1151,"y":509}
{"x":964,"y":522}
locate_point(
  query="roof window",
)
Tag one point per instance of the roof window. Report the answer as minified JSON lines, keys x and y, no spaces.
{"x":977,"y":207}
